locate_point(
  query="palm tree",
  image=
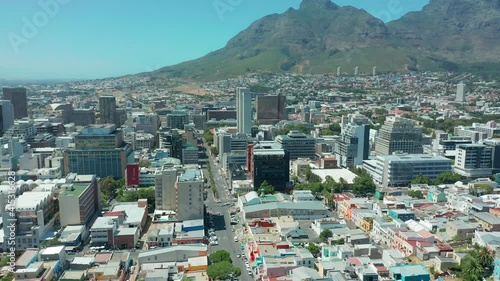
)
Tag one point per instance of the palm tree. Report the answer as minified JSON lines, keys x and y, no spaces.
{"x":472,"y":269}
{"x":483,"y":256}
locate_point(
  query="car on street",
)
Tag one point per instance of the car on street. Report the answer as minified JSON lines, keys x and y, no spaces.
{"x":238,"y":256}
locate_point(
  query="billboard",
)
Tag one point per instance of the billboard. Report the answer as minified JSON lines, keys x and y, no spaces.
{"x":132,"y":174}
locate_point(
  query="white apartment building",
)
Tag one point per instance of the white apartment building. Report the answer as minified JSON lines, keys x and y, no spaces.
{"x":401,"y":169}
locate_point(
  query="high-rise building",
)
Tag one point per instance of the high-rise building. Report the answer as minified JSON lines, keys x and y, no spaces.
{"x":495,"y":153}
{"x":374,"y":71}
{"x":79,"y":200}
{"x":189,"y":195}
{"x":401,"y":169}
{"x":271,"y":109}
{"x":338,"y":71}
{"x":6,"y":115}
{"x":356,"y":70}
{"x":400,"y":135}
{"x":244,"y":110}
{"x":177,"y":119}
{"x":473,"y":160}
{"x":271,"y":163}
{"x":149,"y":123}
{"x":354,"y":144}
{"x":17,"y":96}
{"x":99,"y":150}
{"x":120,"y":117}
{"x":165,"y":191}
{"x":171,"y":140}
{"x":460,"y":92}
{"x":107,"y":110}
{"x":298,"y":145}
{"x":83,"y":116}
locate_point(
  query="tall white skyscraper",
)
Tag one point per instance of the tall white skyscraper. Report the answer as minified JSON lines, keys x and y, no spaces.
{"x":244,"y":110}
{"x":356,"y":70}
{"x":338,"y":71}
{"x":374,"y":71}
{"x":460,"y":92}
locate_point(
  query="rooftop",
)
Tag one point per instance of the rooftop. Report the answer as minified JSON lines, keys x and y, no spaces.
{"x":409,"y":270}
{"x":75,"y":189}
{"x":190,"y":175}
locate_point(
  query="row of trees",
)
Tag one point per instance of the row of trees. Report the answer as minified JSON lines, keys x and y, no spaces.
{"x":221,"y":266}
{"x":443,"y":178}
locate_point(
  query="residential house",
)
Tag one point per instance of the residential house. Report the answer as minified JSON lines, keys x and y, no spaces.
{"x":409,"y":272}
{"x":488,"y":221}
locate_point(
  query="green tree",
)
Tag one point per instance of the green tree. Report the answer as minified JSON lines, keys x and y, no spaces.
{"x":222,"y":270}
{"x":325,"y":234}
{"x":341,"y":241}
{"x":421,"y":179}
{"x":214,"y":151}
{"x":266,"y":187}
{"x":416,"y":194}
{"x":483,"y":256}
{"x":471,"y":269}
{"x":313,"y":249}
{"x":220,"y":256}
{"x":145,"y":163}
{"x":108,"y":186}
{"x":50,"y":243}
{"x":447,"y":178}
{"x":363,"y":185}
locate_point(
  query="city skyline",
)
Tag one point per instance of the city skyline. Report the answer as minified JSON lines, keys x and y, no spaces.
{"x":54,"y":39}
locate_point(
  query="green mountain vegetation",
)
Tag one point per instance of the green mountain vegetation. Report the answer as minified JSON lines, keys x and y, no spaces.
{"x":447,"y":35}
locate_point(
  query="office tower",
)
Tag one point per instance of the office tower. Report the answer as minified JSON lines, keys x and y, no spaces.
{"x":221,"y":114}
{"x":474,"y":160}
{"x":107,"y":110}
{"x":244,"y":110}
{"x":460,"y":92}
{"x":79,"y":200}
{"x":6,"y":115}
{"x":99,"y":150}
{"x":495,"y":153}
{"x":189,"y":193}
{"x":401,"y":169}
{"x":120,"y":117}
{"x":298,"y":145}
{"x":177,"y":119}
{"x":17,"y":96}
{"x":83,"y":116}
{"x":171,"y":140}
{"x":356,"y":70}
{"x":338,"y":71}
{"x":149,"y":123}
{"x":271,"y":109}
{"x":374,"y":71}
{"x":271,"y":163}
{"x":400,"y":135}
{"x":354,"y":144}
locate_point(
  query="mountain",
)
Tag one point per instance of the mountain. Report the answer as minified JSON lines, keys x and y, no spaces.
{"x":320,"y":36}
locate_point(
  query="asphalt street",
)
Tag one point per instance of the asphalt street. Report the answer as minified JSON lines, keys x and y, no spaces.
{"x":222,"y":221}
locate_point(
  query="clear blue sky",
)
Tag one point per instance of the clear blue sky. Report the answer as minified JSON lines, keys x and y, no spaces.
{"x":104,"y":38}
